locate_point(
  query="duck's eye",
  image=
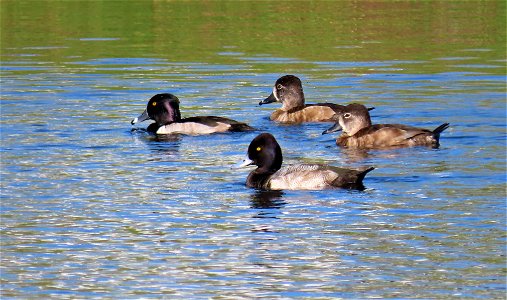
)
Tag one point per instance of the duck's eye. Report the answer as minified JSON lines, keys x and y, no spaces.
{"x":258,"y":149}
{"x":154,"y":103}
{"x":279,"y":86}
{"x":346,"y":115}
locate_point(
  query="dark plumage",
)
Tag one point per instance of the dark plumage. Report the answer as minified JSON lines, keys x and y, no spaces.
{"x":358,"y":132}
{"x":265,"y":152}
{"x":165,"y":110}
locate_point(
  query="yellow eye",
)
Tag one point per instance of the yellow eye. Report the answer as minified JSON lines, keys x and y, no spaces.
{"x":259,"y":149}
{"x":154,"y":103}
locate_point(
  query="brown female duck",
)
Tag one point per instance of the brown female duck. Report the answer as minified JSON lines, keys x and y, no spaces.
{"x":165,"y":110}
{"x":358,"y":132}
{"x":289,"y":91}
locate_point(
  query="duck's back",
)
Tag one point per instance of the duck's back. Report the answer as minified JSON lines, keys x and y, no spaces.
{"x":203,"y":125}
{"x":389,"y":135}
{"x":315,"y":177}
{"x":322,"y":112}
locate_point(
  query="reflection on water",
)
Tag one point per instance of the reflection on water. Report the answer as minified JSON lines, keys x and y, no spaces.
{"x":267,"y":199}
{"x":94,"y":208}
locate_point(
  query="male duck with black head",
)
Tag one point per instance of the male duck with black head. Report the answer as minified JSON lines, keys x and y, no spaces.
{"x":265,"y":152}
{"x":359,"y":133}
{"x":165,"y":110}
{"x":289,"y":91}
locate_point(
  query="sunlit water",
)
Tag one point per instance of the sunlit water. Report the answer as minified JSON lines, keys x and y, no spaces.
{"x":93,"y":207}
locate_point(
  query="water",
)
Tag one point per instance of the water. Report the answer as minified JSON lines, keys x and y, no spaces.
{"x":95,"y":208}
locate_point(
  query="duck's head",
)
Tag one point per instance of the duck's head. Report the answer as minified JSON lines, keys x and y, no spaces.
{"x":351,"y":119}
{"x":264,"y":152}
{"x":163,"y":108}
{"x":289,"y":91}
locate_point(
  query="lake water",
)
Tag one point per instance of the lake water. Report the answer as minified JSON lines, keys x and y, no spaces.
{"x":92,"y":207}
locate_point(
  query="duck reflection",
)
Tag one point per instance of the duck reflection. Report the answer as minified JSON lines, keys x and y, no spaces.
{"x":166,"y":143}
{"x":268,"y":204}
{"x":167,"y":138}
{"x":355,"y":155}
{"x":263,"y":199}
{"x":352,"y":156}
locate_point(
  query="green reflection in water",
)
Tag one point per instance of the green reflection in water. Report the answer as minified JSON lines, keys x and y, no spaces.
{"x":222,"y":31}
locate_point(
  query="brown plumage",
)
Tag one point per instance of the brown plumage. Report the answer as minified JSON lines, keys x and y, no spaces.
{"x":165,"y":110}
{"x":358,"y":132}
{"x":289,"y":91}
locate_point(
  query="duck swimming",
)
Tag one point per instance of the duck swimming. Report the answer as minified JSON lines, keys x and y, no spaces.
{"x":165,"y":110}
{"x":265,"y":152}
{"x":359,"y":133}
{"x":289,"y":91}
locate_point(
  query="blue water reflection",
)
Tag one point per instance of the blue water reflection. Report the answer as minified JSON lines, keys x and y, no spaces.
{"x":94,"y":208}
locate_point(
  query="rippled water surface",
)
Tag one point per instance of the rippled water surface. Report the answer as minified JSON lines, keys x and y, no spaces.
{"x":92,"y":207}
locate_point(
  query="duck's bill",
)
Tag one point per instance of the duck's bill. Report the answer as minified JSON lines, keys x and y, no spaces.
{"x":245,"y":162}
{"x":142,"y":117}
{"x":334,"y":128}
{"x":269,"y":99}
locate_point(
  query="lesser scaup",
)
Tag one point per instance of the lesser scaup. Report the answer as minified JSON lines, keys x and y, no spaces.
{"x":358,"y":132}
{"x":165,"y":110}
{"x":265,"y":152}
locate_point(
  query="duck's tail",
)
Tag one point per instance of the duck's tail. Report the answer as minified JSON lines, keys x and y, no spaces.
{"x":362,"y":174}
{"x":354,"y":180}
{"x":240,"y":127}
{"x":437,"y":131}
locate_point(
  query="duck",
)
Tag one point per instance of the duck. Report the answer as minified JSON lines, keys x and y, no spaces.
{"x":359,"y":133}
{"x":164,"y":109}
{"x":265,"y":153}
{"x":289,"y":91}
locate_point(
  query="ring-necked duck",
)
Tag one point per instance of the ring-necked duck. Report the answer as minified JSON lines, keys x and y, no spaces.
{"x":165,"y":110}
{"x":358,"y":132}
{"x":265,"y":152}
{"x":289,"y":91}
